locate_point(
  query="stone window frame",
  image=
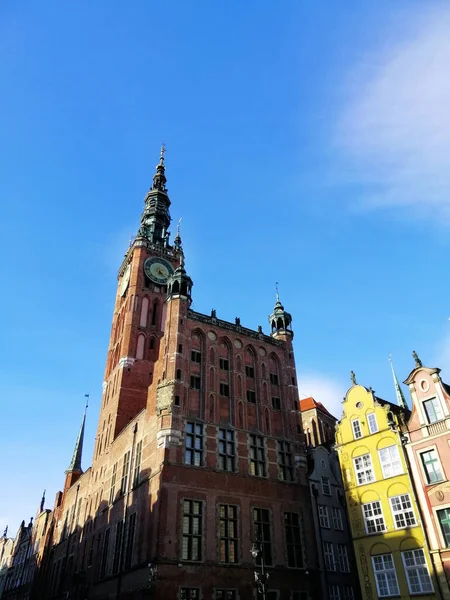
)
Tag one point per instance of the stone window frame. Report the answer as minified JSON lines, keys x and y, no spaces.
{"x":195,"y":423}
{"x":422,"y":467}
{"x":235,"y":448}
{"x":403,"y":512}
{"x":239,"y":533}
{"x":265,"y":449}
{"x":203,"y":532}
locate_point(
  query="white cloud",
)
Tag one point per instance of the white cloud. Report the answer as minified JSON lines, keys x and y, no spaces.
{"x":393,"y":134}
{"x":323,"y":389}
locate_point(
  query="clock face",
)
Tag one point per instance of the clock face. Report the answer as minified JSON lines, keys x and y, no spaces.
{"x":125,"y":281}
{"x":158,"y":270}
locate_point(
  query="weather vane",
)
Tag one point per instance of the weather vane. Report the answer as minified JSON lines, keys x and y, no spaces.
{"x":163,"y":150}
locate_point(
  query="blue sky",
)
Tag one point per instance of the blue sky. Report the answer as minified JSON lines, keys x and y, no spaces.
{"x":307,"y":143}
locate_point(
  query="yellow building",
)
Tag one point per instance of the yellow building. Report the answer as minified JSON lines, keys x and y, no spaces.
{"x":389,"y":541}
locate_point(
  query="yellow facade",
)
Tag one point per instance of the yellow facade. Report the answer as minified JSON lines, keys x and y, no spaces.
{"x":389,"y":541}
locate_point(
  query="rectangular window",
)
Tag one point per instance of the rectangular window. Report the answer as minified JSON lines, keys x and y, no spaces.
{"x":372,"y":422}
{"x":432,"y":467}
{"x":227,"y":450}
{"x":249,"y":371}
{"x":189,"y":594}
{"x":137,"y":464}
{"x":285,"y":462}
{"x":251,"y":396}
{"x":337,"y":518}
{"x":130,"y":541}
{"x":274,"y":379}
{"x":257,"y":455}
{"x":373,"y":517}
{"x":192,"y":530}
{"x":444,"y":520}
{"x":347,"y":593}
{"x":118,"y":547}
{"x":195,"y":382}
{"x":224,"y":364}
{"x":276,"y":404}
{"x":262,"y":535}
{"x":385,"y":575}
{"x":356,"y":426}
{"x":342,"y":553}
{"x":104,"y":560}
{"x":402,"y":511}
{"x":178,"y":374}
{"x":292,"y":527}
{"x":323,"y":516}
{"x":364,"y":469}
{"x":125,"y":469}
{"x":224,"y":389}
{"x":334,"y":592}
{"x":326,"y":489}
{"x":228,"y":533}
{"x":194,"y":444}
{"x":328,"y":556}
{"x":419,"y":580}
{"x":225,"y":595}
{"x":196,"y":356}
{"x":112,"y":490}
{"x":391,"y":463}
{"x":180,"y":348}
{"x":433,"y":410}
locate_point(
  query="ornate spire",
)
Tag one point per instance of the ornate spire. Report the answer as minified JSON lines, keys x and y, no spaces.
{"x":417,"y":359}
{"x":5,"y":533}
{"x":179,"y":283}
{"x":398,"y":390}
{"x":280,"y":320}
{"x":159,"y":178}
{"x":177,"y":241}
{"x":353,"y":377}
{"x":75,"y":463}
{"x":41,"y":507}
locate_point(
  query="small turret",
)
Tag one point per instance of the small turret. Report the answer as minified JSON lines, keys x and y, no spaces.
{"x":180,"y":284}
{"x":280,"y":320}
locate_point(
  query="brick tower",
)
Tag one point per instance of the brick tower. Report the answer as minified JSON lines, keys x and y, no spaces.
{"x":199,"y":455}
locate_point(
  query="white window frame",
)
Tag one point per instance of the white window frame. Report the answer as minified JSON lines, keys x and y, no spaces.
{"x":439,"y":410}
{"x":423,"y":566}
{"x":336,"y":515}
{"x":327,"y":485}
{"x":370,"y":425}
{"x":368,"y":519}
{"x":356,"y":429}
{"x":324,"y":519}
{"x":334,"y":592}
{"x":328,"y":553}
{"x":383,"y":574}
{"x":365,"y":470}
{"x":396,"y":470}
{"x":404,"y":512}
{"x":342,"y":552}
{"x":423,"y":451}
{"x":348,"y":593}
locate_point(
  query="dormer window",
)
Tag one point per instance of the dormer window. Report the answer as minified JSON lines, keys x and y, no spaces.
{"x":433,"y":410}
{"x":356,"y":426}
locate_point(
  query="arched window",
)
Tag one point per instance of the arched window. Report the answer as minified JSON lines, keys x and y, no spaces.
{"x":152,"y":343}
{"x":144,"y":312}
{"x":211,"y":378}
{"x":154,"y":312}
{"x":140,"y":346}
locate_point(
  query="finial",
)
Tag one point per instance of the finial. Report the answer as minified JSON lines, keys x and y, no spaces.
{"x":5,"y":533}
{"x":41,"y":508}
{"x":353,"y":377}
{"x":398,"y":390}
{"x":87,"y":402}
{"x":276,"y":290}
{"x":178,"y":226}
{"x":163,"y":151}
{"x":417,"y":359}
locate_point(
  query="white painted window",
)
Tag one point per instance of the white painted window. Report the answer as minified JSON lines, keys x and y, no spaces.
{"x":348,"y":593}
{"x":356,"y":426}
{"x":373,"y":517}
{"x":337,"y":518}
{"x":385,"y":575}
{"x":334,"y":592}
{"x":419,"y":580}
{"x":433,"y":410}
{"x":372,"y":422}
{"x":323,"y":516}
{"x":326,"y":489}
{"x":328,"y":555}
{"x":342,"y":553}
{"x":402,"y":511}
{"x":364,"y":469}
{"x":390,"y":461}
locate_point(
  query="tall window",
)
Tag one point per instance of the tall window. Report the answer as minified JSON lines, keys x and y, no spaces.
{"x":432,"y":466}
{"x":419,"y":580}
{"x":385,"y":575}
{"x":444,"y":520}
{"x":372,"y":422}
{"x":391,"y":463}
{"x":373,"y":517}
{"x":224,"y":364}
{"x":348,"y":593}
{"x":224,"y":389}
{"x":292,"y":528}
{"x":323,"y":516}
{"x":356,"y":426}
{"x":326,"y":488}
{"x":249,"y":371}
{"x":328,"y":556}
{"x":285,"y":463}
{"x":334,"y":592}
{"x":194,"y":444}
{"x":196,"y":356}
{"x":117,"y":546}
{"x":433,"y":410}
{"x":251,"y":396}
{"x":105,"y":548}
{"x":342,"y":553}
{"x":261,"y":533}
{"x":228,"y":533}
{"x":125,"y":468}
{"x":137,"y":463}
{"x":276,"y":403}
{"x":227,"y":450}
{"x":192,"y":530}
{"x":130,"y":541}
{"x":257,"y":455}
{"x":402,"y":511}
{"x":112,"y":491}
{"x":274,"y":379}
{"x":337,"y":518}
{"x":195,"y":382}
{"x":364,"y":469}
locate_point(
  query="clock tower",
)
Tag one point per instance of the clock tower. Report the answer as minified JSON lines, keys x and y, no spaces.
{"x":139,"y":314}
